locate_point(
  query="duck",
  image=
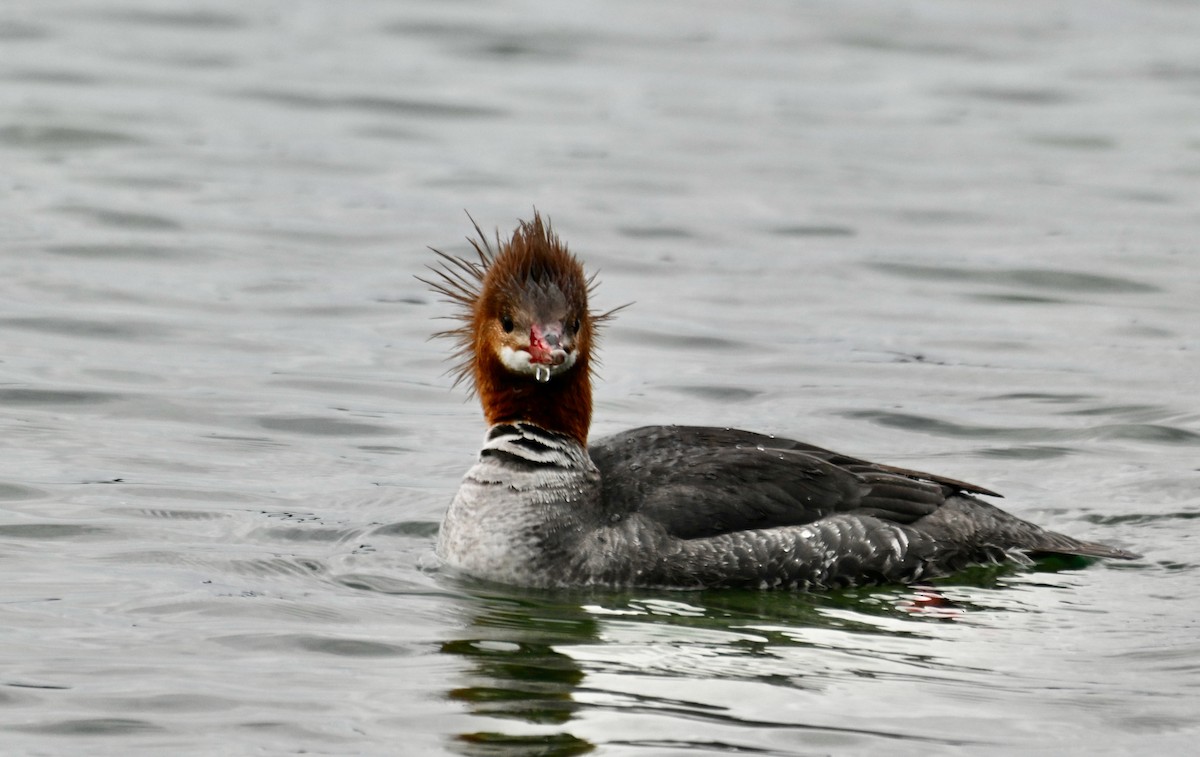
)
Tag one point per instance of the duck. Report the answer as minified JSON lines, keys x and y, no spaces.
{"x":669,"y":507}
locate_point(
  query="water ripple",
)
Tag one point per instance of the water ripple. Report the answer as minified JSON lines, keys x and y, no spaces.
{"x":88,"y":328}
{"x":1038,"y":278}
{"x":90,"y":727}
{"x":16,"y":31}
{"x":1156,"y":433}
{"x":814,"y":230}
{"x":316,"y":426}
{"x":128,"y":251}
{"x":374,"y":104}
{"x":201,"y":20}
{"x":54,"y":397}
{"x":42,"y":137}
{"x":123,"y":219}
{"x":42,"y":531}
{"x":15,"y":492}
{"x":331,"y":645}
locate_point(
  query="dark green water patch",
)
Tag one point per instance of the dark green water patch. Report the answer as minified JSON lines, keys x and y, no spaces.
{"x":490,"y":744}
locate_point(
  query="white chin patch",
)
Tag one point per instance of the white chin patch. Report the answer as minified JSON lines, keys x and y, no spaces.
{"x":518,"y":361}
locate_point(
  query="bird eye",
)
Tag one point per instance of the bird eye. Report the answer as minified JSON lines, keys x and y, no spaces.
{"x":506,"y":322}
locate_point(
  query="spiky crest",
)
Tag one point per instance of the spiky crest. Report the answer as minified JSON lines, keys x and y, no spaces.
{"x":533,"y":254}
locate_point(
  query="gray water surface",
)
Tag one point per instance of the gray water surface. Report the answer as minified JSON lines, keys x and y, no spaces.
{"x":960,"y":238}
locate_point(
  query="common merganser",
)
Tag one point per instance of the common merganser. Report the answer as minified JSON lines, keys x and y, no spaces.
{"x":670,"y":506}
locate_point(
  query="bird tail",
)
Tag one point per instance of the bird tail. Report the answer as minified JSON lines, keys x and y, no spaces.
{"x":1056,"y":543}
{"x":966,"y":520}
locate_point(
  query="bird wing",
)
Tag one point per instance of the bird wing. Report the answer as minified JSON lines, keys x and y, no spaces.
{"x":700,"y":482}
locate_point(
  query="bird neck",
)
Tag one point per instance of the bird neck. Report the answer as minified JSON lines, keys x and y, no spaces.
{"x":563,"y":404}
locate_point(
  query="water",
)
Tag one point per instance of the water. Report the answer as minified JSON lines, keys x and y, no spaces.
{"x":951,"y":238}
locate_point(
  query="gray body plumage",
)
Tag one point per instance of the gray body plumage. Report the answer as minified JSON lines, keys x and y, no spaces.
{"x":692,"y":507}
